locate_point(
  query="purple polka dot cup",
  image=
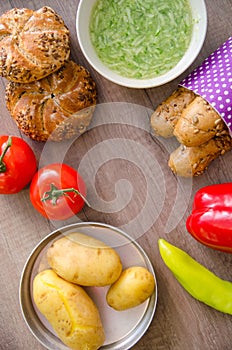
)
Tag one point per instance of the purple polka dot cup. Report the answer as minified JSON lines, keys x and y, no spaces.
{"x":212,"y":80}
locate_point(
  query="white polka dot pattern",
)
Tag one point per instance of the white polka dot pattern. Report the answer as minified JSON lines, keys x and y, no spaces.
{"x":213,"y":81}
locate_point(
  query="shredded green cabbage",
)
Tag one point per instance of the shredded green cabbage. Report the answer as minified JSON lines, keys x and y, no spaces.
{"x":141,"y":38}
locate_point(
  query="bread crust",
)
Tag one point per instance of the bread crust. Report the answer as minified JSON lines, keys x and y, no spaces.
{"x":200,"y":130}
{"x":57,"y":107}
{"x":199,"y":122}
{"x":167,"y":114}
{"x":33,"y":44}
{"x":193,"y":161}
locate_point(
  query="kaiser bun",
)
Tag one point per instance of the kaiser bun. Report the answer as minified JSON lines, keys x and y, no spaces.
{"x":33,"y":44}
{"x":57,"y":107}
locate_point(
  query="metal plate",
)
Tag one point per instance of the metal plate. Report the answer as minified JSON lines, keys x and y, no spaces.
{"x":122,"y":328}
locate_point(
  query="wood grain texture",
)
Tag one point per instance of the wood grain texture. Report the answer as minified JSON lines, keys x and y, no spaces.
{"x":119,"y":189}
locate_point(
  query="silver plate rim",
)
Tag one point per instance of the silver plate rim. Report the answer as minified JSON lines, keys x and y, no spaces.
{"x":40,"y":331}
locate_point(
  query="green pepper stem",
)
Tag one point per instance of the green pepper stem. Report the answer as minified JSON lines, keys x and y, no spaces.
{"x":54,"y":193}
{"x":2,"y":164}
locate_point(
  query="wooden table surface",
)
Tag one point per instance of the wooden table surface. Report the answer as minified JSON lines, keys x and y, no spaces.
{"x":129,"y":186}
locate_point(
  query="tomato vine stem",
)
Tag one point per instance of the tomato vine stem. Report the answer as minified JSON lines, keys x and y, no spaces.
{"x":54,"y":193}
{"x":2,"y":164}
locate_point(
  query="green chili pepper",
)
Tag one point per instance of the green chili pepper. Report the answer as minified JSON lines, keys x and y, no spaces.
{"x":201,"y":283}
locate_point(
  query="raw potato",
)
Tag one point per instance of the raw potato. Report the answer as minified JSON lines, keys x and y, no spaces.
{"x":84,"y":260}
{"x":134,"y":286}
{"x":69,"y":310}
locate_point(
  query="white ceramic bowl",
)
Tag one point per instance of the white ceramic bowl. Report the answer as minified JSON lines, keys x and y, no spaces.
{"x":198,"y":37}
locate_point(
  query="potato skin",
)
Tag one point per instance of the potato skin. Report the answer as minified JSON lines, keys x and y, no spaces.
{"x":133,"y":287}
{"x":83,"y":260}
{"x":70,"y":311}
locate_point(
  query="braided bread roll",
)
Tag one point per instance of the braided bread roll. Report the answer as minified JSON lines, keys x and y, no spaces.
{"x":33,"y":44}
{"x":57,"y":107}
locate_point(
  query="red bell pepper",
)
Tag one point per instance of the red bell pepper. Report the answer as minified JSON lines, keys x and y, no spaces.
{"x":211,"y":219}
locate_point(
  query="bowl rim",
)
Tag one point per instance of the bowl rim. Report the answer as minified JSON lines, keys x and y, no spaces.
{"x":200,"y":22}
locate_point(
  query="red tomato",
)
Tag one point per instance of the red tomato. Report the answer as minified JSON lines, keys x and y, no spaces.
{"x":57,"y":191}
{"x":17,"y":164}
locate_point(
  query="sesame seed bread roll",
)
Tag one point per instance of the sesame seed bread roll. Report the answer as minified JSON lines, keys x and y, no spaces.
{"x":33,"y":44}
{"x":198,"y":123}
{"x":54,"y":108}
{"x":165,"y":117}
{"x":193,"y":161}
